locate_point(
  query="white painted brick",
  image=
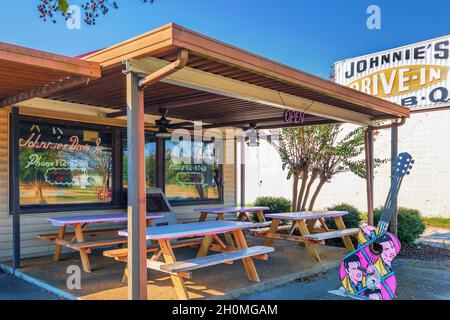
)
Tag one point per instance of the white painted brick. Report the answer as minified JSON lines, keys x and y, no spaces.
{"x":425,"y":135}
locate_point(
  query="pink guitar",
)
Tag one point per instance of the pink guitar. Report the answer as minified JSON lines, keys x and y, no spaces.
{"x":367,"y":272}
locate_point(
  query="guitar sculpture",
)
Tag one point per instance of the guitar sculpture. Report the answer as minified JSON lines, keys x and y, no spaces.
{"x":367,"y":272}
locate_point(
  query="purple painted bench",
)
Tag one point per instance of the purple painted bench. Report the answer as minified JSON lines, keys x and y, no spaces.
{"x":78,"y":241}
{"x":294,"y":216}
{"x":103,"y":218}
{"x":309,"y":235}
{"x":231,"y":209}
{"x":244,"y":215}
{"x":191,"y":230}
{"x":182,"y":269}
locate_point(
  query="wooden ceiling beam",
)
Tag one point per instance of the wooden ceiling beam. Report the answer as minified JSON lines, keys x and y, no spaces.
{"x":46,"y":90}
{"x":169,"y":104}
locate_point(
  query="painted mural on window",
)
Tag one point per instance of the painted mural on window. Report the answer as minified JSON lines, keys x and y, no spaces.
{"x":64,"y":165}
{"x":191,"y":171}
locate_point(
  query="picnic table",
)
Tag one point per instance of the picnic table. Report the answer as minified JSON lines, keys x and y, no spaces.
{"x":80,"y":224}
{"x":309,"y":235}
{"x":179,"y":270}
{"x":243,"y":215}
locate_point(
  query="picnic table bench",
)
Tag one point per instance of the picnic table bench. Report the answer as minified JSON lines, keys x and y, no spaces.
{"x":243,"y":215}
{"x":78,"y":239}
{"x":182,"y":269}
{"x":309,"y":235}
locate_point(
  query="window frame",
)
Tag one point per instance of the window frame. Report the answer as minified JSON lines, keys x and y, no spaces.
{"x":178,"y":203}
{"x":113,"y":204}
{"x":118,"y":192}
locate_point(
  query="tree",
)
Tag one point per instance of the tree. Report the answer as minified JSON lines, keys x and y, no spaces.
{"x":34,"y":175}
{"x":315,"y":154}
{"x":92,"y":9}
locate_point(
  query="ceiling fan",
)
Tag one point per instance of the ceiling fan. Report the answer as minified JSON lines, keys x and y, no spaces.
{"x":163,"y":124}
{"x":252,"y":135}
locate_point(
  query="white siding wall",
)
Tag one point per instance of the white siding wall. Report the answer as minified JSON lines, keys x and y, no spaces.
{"x":426,"y":136}
{"x":34,"y":224}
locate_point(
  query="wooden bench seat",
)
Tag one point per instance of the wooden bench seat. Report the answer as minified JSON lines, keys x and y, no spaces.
{"x":91,"y":244}
{"x":331,"y":234}
{"x":91,"y":233}
{"x":207,"y":261}
{"x":122,"y":253}
{"x":267,"y":229}
{"x":259,"y":225}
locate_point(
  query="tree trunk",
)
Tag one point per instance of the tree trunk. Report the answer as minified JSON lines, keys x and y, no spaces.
{"x":316,"y":193}
{"x":302,"y":188}
{"x":295,"y":191}
{"x":308,"y":190}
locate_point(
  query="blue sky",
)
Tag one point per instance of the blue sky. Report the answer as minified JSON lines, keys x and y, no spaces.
{"x":309,"y":35}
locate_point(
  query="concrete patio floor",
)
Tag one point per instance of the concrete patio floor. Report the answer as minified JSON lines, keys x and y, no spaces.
{"x":287,"y":263}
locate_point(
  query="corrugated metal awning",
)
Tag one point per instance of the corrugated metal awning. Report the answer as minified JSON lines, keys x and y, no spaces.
{"x":27,"y":73}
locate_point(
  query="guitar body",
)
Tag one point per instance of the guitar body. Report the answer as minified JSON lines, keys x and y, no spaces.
{"x":368,"y":273}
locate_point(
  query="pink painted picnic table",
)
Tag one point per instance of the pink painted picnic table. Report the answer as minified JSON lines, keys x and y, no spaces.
{"x":244,"y":215}
{"x":309,"y":235}
{"x":164,"y":234}
{"x":101,"y":218}
{"x":80,"y":224}
{"x":242,"y":210}
{"x":306,"y":215}
{"x":191,"y":230}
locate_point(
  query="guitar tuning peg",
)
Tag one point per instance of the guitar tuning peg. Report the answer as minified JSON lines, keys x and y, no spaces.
{"x":410,"y":167}
{"x":412,"y":161}
{"x":407,"y":172}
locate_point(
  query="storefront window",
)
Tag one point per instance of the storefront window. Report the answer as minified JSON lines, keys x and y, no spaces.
{"x":64,"y":164}
{"x":191,"y":172}
{"x":150,"y":162}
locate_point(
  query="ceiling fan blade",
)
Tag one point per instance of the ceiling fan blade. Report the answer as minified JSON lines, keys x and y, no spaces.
{"x":181,"y":124}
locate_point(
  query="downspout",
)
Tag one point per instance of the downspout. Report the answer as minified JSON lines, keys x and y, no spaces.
{"x":369,"y":163}
{"x":180,"y":63}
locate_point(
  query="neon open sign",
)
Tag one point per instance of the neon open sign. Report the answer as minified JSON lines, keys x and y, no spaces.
{"x":291,"y":116}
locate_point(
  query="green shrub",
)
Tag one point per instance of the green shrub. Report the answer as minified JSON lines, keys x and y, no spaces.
{"x":276,"y":204}
{"x":351,"y":220}
{"x":410,"y":224}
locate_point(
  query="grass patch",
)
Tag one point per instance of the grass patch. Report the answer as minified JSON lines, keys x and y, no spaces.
{"x":438,"y":222}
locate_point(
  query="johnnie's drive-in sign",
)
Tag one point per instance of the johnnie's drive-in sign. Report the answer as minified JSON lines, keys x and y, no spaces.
{"x":415,"y":76}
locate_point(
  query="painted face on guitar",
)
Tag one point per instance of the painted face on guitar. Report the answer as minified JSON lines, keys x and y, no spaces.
{"x":354,"y":273}
{"x":353,"y":269}
{"x":390,"y":249}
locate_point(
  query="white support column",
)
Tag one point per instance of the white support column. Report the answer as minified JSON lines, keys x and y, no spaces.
{"x":137,"y":278}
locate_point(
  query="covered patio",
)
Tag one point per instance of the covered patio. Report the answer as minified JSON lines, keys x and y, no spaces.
{"x":191,"y":78}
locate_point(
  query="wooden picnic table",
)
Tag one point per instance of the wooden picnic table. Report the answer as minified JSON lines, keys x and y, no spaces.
{"x":309,"y":235}
{"x":80,"y":224}
{"x":182,"y":269}
{"x":243,"y":215}
{"x":244,"y":212}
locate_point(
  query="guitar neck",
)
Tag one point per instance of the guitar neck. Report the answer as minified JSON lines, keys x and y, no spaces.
{"x":390,"y":205}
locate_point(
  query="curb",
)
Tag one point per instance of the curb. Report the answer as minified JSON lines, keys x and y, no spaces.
{"x":440,"y":265}
{"x":19,"y":274}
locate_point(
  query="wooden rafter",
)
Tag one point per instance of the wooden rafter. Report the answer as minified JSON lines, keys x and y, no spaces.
{"x":185,"y":102}
{"x":220,"y":85}
{"x":45,"y":90}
